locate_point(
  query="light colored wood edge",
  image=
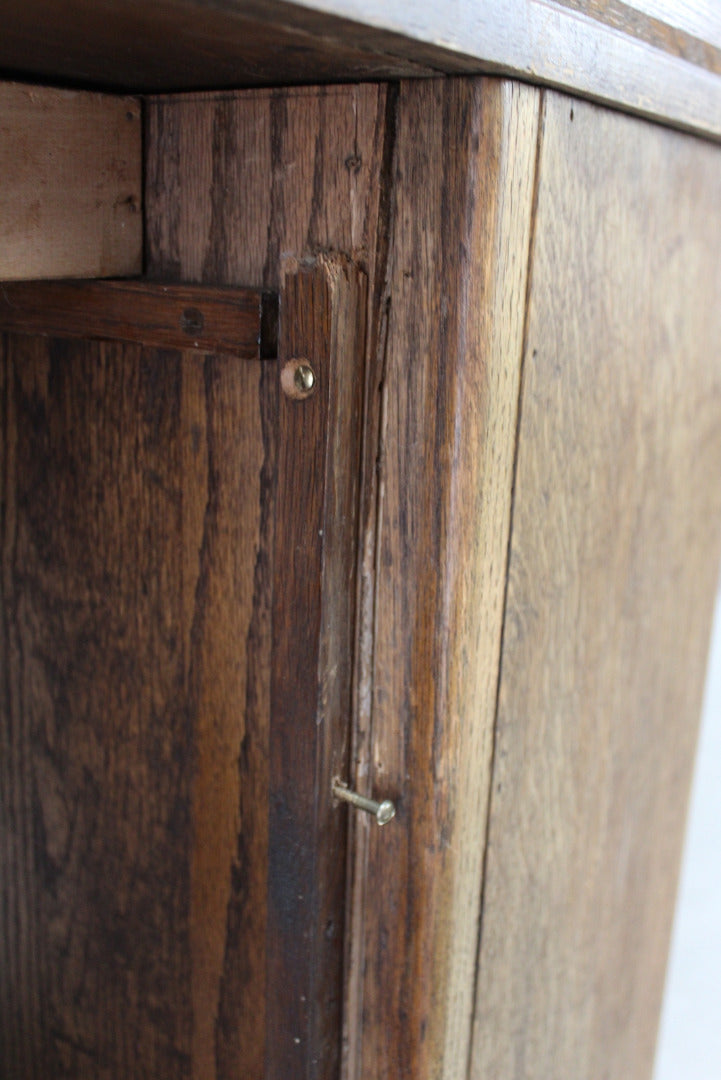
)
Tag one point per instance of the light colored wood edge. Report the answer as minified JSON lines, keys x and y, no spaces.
{"x":478,"y":562}
{"x":70,"y":184}
{"x":477,"y":502}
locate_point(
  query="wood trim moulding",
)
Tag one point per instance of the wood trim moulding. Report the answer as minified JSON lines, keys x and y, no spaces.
{"x":218,"y":320}
{"x":70,"y":184}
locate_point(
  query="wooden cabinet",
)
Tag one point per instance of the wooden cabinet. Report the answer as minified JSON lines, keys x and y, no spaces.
{"x":471,"y":569}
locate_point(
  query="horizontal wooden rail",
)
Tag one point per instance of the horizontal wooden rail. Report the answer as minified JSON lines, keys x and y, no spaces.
{"x":219,"y":320}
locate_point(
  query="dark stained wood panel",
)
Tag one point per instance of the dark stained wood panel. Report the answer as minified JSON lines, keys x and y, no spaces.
{"x":173,"y":45}
{"x":613,"y":570}
{"x":324,"y":312}
{"x":135,"y":654}
{"x":659,"y":60}
{"x":244,"y":188}
{"x":242,"y":322}
{"x":239,"y":184}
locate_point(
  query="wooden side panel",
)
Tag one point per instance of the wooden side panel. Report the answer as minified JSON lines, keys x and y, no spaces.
{"x":240,"y":189}
{"x":132,"y":745}
{"x":70,"y":197}
{"x":462,"y":195}
{"x":612,"y":575}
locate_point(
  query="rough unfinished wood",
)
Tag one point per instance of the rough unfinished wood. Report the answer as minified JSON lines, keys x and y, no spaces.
{"x":242,"y":322}
{"x":461,"y":210}
{"x":661,"y":58}
{"x":131,"y":756}
{"x":240,"y":188}
{"x":70,"y":194}
{"x":612,"y":575}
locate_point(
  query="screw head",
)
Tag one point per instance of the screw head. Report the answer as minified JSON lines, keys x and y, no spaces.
{"x":298,"y":379}
{"x":386,"y":812}
{"x":304,"y":378}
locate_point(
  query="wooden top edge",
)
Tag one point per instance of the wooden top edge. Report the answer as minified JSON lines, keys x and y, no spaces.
{"x":644,"y":56}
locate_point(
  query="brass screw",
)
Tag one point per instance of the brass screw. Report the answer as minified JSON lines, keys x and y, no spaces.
{"x":383,"y":811}
{"x":304,"y":378}
{"x":298,"y":379}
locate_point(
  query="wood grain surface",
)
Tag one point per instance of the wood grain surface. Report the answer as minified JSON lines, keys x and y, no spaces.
{"x":238,"y":184}
{"x":449,"y":376}
{"x":182,"y":45}
{"x":311,"y":670}
{"x":132,"y":739}
{"x":243,"y":188}
{"x":70,"y":195}
{"x":660,"y":58}
{"x":207,"y":585}
{"x":149,"y":682}
{"x":242,"y":322}
{"x":612,"y":577}
{"x":650,"y":59}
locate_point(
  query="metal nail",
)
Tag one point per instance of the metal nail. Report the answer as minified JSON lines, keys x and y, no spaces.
{"x":382,"y":811}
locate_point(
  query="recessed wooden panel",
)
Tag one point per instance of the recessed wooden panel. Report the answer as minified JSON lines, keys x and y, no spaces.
{"x":612,"y":577}
{"x":70,"y":190}
{"x":134,"y":730}
{"x":238,"y":185}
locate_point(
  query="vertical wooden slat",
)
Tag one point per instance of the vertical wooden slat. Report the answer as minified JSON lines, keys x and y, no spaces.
{"x":311,"y":668}
{"x":238,"y":182}
{"x":460,"y":219}
{"x":612,"y":576}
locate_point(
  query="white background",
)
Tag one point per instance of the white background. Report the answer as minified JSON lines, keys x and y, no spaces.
{"x":689,"y":1045}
